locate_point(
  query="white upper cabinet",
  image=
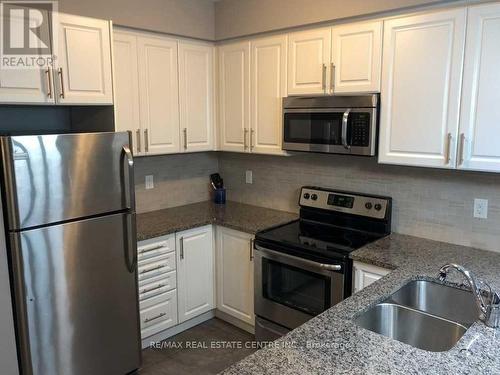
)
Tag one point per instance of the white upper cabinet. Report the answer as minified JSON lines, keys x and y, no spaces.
{"x":478,"y":146}
{"x":195,"y":270}
{"x":421,"y":82}
{"x":29,"y":86}
{"x":268,"y":87}
{"x":308,"y":61}
{"x":83,"y":64}
{"x":196,"y":95}
{"x":356,"y":57}
{"x":234,"y":96}
{"x":126,"y":91}
{"x":159,"y":94}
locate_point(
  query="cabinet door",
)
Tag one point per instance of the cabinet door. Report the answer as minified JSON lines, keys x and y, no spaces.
{"x":235,"y":274}
{"x":234,"y":91}
{"x":268,"y":87}
{"x":195,"y":272}
{"x":308,"y":62}
{"x":357,"y":57}
{"x":420,"y":100}
{"x":29,"y":86}
{"x":84,"y":61}
{"x":480,"y":121}
{"x":366,"y":274}
{"x":196,"y":95}
{"x":126,"y":86}
{"x":158,"y":85}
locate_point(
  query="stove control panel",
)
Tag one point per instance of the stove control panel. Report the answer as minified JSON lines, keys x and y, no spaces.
{"x":351,"y":203}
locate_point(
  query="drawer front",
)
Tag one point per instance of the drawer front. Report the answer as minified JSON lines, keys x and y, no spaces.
{"x":161,"y":266}
{"x":160,"y":316}
{"x":160,"y":285}
{"x":147,"y":250}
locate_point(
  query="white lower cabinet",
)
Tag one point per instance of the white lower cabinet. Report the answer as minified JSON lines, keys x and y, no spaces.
{"x":235,"y":274}
{"x":366,"y":274}
{"x":157,"y":284}
{"x":195,"y":275}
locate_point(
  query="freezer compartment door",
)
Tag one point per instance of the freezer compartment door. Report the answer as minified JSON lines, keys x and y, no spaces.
{"x":55,"y":178}
{"x":76,"y":297}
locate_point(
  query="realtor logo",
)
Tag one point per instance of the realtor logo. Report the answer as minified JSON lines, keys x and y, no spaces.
{"x":26,"y":37}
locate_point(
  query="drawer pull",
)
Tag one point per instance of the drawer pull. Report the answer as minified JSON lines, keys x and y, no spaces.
{"x":146,"y":290}
{"x":155,"y":317}
{"x":152,"y":269}
{"x":148,"y":250}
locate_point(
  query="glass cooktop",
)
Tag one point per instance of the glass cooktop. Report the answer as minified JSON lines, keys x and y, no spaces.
{"x":317,"y":237}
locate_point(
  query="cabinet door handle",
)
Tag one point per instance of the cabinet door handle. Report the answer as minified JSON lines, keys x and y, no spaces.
{"x":323,"y":78}
{"x":461,"y":149}
{"x":147,"y":290}
{"x":147,"y":320}
{"x":61,"y":82}
{"x":251,"y":249}
{"x":152,"y":269}
{"x":332,"y":78}
{"x":138,"y":136}
{"x":146,"y":140}
{"x":185,"y":138}
{"x":245,"y":133}
{"x":181,"y":248}
{"x":148,"y":250}
{"x":48,"y":76}
{"x":448,"y":148}
{"x":252,"y":135}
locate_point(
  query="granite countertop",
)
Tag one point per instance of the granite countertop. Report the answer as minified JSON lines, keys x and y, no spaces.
{"x":333,"y":343}
{"x":239,"y":216}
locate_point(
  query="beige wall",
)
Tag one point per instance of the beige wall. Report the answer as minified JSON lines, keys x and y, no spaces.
{"x":235,"y":18}
{"x":192,"y":18}
{"x":179,"y":179}
{"x":431,"y":203}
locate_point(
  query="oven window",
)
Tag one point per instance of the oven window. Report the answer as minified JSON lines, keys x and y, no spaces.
{"x":301,"y":290}
{"x":313,"y":128}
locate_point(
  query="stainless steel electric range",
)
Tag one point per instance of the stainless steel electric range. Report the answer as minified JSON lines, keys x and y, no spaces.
{"x":303,"y":268}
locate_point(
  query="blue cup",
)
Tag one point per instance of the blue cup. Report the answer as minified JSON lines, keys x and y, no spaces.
{"x":220,"y":196}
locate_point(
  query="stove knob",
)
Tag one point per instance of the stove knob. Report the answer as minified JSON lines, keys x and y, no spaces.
{"x":368,"y":205}
{"x":378,"y":206}
{"x":314,"y":197}
{"x":306,"y":196}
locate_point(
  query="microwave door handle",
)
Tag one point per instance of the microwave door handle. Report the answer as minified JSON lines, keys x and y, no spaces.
{"x":345,"y":119}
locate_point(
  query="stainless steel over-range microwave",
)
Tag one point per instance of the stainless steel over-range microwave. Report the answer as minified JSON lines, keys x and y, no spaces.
{"x":331,"y":124}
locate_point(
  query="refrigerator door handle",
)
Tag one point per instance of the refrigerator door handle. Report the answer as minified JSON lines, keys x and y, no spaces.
{"x":130,"y":246}
{"x":129,"y":167}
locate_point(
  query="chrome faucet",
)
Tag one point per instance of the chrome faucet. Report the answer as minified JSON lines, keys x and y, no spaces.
{"x":487,"y":300}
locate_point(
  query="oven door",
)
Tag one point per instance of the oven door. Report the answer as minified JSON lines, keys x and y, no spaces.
{"x":290,"y":290}
{"x":330,"y":130}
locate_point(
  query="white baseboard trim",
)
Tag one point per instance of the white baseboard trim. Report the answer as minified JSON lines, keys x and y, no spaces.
{"x":235,"y":321}
{"x":163,"y":335}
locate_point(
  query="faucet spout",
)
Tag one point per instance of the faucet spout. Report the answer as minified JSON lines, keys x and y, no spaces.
{"x":487,"y":301}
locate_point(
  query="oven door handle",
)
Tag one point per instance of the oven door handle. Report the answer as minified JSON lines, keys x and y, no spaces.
{"x":310,"y":263}
{"x":345,"y":119}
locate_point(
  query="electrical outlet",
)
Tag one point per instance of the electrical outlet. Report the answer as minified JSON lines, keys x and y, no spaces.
{"x":249,"y":177}
{"x":150,"y":183}
{"x":481,"y":208}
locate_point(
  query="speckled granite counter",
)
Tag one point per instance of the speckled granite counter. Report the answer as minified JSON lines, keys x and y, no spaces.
{"x":333,"y":343}
{"x":243,"y":217}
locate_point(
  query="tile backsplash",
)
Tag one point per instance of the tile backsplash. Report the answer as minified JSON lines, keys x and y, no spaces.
{"x":178,"y":179}
{"x":431,"y":203}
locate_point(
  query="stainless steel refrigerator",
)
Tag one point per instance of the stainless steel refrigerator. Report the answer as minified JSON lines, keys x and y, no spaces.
{"x":70,"y":219}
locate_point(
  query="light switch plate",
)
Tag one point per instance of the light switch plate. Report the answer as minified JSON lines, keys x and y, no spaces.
{"x":249,"y":177}
{"x":481,"y":208}
{"x":150,"y":184}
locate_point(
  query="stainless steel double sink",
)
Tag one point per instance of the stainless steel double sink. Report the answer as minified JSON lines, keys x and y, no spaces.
{"x":423,"y":314}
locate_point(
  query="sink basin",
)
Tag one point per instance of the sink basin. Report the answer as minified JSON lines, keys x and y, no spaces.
{"x":423,"y":314}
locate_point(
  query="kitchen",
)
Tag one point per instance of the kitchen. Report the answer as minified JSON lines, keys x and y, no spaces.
{"x":355,"y":146}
